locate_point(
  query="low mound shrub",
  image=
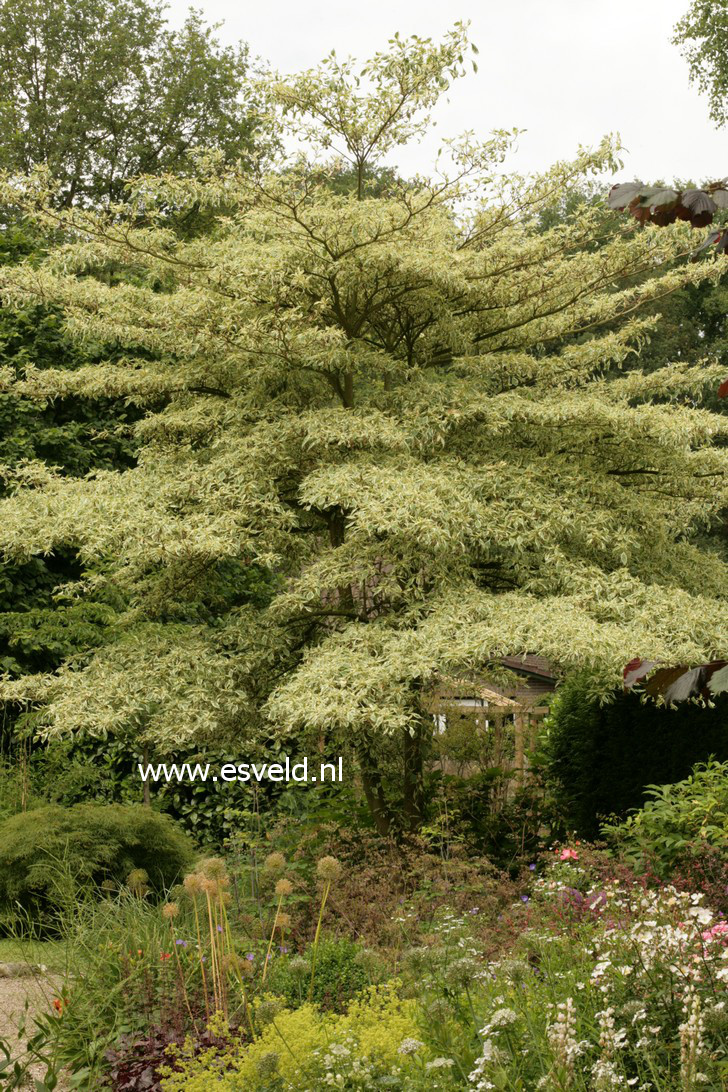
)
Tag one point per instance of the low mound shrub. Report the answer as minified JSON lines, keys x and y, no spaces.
{"x":49,"y":854}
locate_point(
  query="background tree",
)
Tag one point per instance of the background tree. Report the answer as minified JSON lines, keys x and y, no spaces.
{"x":102,"y":90}
{"x":702,"y":33}
{"x":398,"y":405}
{"x":94,"y":92}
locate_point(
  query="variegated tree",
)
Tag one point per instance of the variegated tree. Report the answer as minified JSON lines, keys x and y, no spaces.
{"x":394,"y":404}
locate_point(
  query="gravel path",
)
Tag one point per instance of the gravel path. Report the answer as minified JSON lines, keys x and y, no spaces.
{"x":39,"y":990}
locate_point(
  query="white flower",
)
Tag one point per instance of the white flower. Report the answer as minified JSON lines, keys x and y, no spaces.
{"x":502,"y":1018}
{"x":605,"y":1076}
{"x":410,"y":1046}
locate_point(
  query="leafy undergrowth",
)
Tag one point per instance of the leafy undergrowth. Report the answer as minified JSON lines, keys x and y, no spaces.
{"x":605,"y":983}
{"x":400,"y":970}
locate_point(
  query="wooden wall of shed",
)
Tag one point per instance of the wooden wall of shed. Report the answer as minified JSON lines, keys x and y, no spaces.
{"x":514,"y":725}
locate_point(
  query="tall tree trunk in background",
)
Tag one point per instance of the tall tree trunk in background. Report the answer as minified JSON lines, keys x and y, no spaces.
{"x":371,"y":780}
{"x":413,"y":782}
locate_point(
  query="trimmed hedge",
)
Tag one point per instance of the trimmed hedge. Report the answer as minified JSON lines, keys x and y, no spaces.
{"x":600,"y":758}
{"x":45,"y":851}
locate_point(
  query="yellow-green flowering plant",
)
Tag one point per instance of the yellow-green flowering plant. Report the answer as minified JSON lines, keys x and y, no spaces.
{"x":302,"y":1050}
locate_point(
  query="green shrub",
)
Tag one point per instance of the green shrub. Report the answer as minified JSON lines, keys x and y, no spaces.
{"x":683,"y":819}
{"x":473,"y":810}
{"x":45,"y":851}
{"x":343,"y":969}
{"x":600,"y":758}
{"x":85,"y":769}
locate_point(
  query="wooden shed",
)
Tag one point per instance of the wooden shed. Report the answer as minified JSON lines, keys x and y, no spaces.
{"x":509,"y":715}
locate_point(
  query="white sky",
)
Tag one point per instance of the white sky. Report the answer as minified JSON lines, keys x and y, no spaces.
{"x":567,"y":71}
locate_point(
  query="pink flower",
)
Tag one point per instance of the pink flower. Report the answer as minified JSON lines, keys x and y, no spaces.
{"x":718,"y":932}
{"x":568,"y":855}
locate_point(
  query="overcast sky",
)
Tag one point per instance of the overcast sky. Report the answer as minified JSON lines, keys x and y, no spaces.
{"x":567,"y":71}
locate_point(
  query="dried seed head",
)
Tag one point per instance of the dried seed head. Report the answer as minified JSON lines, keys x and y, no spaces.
{"x":170,"y":910}
{"x":267,"y":1010}
{"x":215,"y":868}
{"x":137,"y":878}
{"x":191,"y":883}
{"x":329,"y":869}
{"x":274,"y":864}
{"x":284,"y":921}
{"x":268,"y":1066}
{"x":231,"y":962}
{"x":284,"y":887}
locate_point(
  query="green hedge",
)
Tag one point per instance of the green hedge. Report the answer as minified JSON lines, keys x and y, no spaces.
{"x":600,"y":757}
{"x":52,"y":853}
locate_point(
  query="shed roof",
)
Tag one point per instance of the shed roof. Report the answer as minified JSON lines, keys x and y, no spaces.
{"x":530,"y":664}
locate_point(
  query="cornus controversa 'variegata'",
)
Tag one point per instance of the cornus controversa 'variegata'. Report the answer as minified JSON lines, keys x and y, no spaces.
{"x":396,"y":403}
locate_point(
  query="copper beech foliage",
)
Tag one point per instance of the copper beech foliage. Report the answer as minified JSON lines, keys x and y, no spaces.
{"x":662,"y":206}
{"x":678,"y":682}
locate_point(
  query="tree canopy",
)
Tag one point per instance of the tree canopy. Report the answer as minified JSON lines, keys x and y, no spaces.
{"x":398,"y":406}
{"x":703,"y":35}
{"x":102,"y":90}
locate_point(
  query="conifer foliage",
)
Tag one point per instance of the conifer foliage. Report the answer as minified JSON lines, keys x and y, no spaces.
{"x":395,"y":405}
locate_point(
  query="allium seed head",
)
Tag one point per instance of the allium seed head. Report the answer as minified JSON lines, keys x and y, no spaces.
{"x":274,"y":863}
{"x":138,"y":877}
{"x":268,"y":1065}
{"x":299,"y":967}
{"x":191,"y":883}
{"x":231,"y":962}
{"x":329,"y":869}
{"x":214,"y":867}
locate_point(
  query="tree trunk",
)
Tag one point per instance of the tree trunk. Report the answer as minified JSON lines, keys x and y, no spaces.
{"x":372,"y":784}
{"x":412,"y":782}
{"x":371,"y":778}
